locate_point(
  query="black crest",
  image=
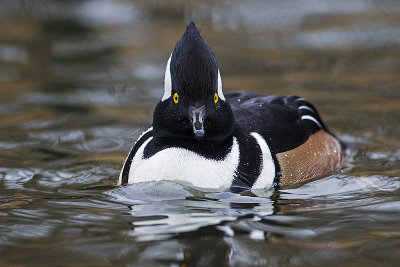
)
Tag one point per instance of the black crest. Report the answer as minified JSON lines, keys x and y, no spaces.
{"x":194,"y":68}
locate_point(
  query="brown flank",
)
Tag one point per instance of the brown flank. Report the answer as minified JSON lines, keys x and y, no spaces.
{"x":321,"y":155}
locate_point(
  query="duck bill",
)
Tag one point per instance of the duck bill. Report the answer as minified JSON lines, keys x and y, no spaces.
{"x":197,"y":116}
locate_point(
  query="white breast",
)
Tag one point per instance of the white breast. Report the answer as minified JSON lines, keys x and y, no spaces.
{"x":180,"y":164}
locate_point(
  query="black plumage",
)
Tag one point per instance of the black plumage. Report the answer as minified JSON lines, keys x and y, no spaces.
{"x":278,"y":119}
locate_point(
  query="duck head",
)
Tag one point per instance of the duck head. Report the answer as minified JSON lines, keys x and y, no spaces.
{"x":193,"y":105}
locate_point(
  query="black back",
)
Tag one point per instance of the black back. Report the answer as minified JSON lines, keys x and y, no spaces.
{"x":277,"y":119}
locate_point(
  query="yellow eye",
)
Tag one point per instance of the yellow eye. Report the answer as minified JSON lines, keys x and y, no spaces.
{"x":216,"y":98}
{"x":176,"y":98}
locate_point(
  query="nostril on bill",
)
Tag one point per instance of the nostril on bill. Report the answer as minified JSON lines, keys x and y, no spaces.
{"x":198,"y":125}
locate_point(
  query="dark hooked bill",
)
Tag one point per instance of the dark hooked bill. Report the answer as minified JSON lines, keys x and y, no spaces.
{"x":197,"y":116}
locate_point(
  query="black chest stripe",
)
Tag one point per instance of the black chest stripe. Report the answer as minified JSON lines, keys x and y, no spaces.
{"x":278,"y":173}
{"x":250,"y":164}
{"x":128,"y":162}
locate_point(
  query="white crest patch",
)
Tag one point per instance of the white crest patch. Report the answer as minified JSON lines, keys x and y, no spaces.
{"x":267,"y":175}
{"x":167,"y":81}
{"x":220,"y":94}
{"x":180,"y":164}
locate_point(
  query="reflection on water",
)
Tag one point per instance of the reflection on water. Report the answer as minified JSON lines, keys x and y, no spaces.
{"x":78,"y":83}
{"x":173,"y":209}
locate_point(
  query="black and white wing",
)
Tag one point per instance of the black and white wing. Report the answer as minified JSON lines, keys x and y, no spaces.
{"x":286,"y":122}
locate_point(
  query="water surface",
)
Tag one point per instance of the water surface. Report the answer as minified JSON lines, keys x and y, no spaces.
{"x":78,"y":84}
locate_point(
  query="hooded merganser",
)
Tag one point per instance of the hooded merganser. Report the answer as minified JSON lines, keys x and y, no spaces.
{"x":238,"y":141}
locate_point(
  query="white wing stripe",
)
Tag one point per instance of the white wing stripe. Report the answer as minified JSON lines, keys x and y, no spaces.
{"x":306,"y":107}
{"x":311,"y":118}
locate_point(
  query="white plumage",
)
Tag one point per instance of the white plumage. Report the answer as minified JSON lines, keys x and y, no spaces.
{"x":179,"y":164}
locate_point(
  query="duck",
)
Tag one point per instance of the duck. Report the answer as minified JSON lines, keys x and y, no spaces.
{"x":239,"y":141}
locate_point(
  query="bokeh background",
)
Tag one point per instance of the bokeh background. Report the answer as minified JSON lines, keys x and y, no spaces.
{"x":78,"y":84}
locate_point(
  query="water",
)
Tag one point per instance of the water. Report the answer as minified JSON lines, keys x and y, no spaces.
{"x":79,"y":81}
